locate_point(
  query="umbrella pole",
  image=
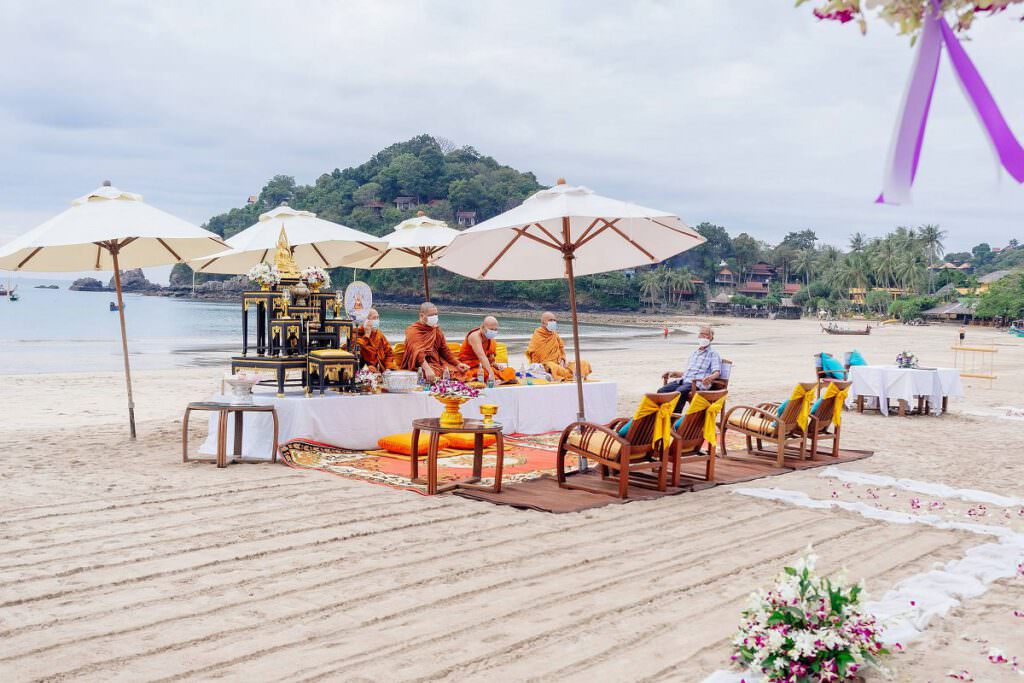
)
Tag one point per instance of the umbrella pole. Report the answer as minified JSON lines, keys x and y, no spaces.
{"x":426,"y":281}
{"x":124,"y":340}
{"x":580,"y":415}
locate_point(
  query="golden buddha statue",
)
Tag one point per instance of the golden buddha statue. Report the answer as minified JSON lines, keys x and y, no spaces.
{"x":283,"y":259}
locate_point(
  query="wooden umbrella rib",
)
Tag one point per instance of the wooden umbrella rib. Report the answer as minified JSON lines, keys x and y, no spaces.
{"x":681,"y":232}
{"x":580,"y":242}
{"x":208,"y":263}
{"x":545,"y":231}
{"x":501,"y":253}
{"x":173,"y":253}
{"x":219,"y":241}
{"x":34,"y":252}
{"x":630,"y":240}
{"x":262,"y":258}
{"x":583,"y":238}
{"x":554,"y":244}
{"x":370,"y":246}
{"x":378,"y":259}
{"x":99,"y":251}
{"x":410,"y":251}
{"x":326,"y":264}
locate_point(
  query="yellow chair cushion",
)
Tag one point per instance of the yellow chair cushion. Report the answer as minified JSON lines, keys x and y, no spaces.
{"x":597,"y":443}
{"x":402,"y":443}
{"x":464,"y":442}
{"x":752,"y":422}
{"x":331,"y":353}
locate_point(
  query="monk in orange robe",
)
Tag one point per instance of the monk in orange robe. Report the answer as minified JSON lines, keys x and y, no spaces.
{"x":374,"y":347}
{"x":426,"y":348}
{"x":547,"y":348}
{"x":478,"y":351}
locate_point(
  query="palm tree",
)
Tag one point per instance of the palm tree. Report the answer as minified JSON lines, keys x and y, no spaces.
{"x":650,"y":286}
{"x":931,"y":237}
{"x":857,"y":242}
{"x":679,"y":281}
{"x":805,"y":264}
{"x":885,"y":260}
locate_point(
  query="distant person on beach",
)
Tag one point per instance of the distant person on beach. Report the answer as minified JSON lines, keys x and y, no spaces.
{"x":547,"y":348}
{"x":703,"y":368}
{"x":963,"y":333}
{"x":374,"y":348}
{"x":478,"y":351}
{"x":426,"y":348}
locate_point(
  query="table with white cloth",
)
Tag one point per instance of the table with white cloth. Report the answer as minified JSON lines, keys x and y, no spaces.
{"x":886,"y":382}
{"x":357,"y":421}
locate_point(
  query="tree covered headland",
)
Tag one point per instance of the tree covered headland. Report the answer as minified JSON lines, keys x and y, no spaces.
{"x":437,"y":177}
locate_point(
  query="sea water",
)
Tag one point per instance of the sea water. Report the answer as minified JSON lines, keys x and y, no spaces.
{"x":57,"y":330}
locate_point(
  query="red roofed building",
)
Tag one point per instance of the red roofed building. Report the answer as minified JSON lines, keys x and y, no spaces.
{"x":753,"y":288}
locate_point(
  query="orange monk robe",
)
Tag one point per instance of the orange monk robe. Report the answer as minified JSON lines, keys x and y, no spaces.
{"x":547,"y":348}
{"x":426,"y":343}
{"x":375,"y":350}
{"x":468,"y":356}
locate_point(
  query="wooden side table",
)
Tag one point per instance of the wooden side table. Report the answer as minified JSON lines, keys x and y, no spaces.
{"x":478,"y":429}
{"x":223,"y":410}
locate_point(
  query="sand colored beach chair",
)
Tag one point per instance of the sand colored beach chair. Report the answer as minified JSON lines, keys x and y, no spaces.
{"x":764,"y":422}
{"x":826,"y":416}
{"x":643,"y":446}
{"x":698,"y":425}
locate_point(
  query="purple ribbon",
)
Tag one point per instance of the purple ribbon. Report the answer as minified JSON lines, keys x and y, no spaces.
{"x":905,"y":147}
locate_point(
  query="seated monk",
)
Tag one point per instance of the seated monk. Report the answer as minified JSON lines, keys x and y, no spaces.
{"x":546,"y":347}
{"x":426,"y":348}
{"x":478,"y":351}
{"x":374,"y":348}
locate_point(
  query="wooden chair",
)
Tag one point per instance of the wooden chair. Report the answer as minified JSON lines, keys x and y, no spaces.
{"x":818,"y":427}
{"x":762,"y":423}
{"x":626,"y":455}
{"x":823,"y":374}
{"x":688,"y":439}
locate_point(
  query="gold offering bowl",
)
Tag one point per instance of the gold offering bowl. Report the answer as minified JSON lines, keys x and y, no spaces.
{"x":488,"y":410}
{"x":452,"y":416}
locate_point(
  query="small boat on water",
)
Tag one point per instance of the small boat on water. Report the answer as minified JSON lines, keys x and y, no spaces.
{"x":113,"y":306}
{"x":835,"y":328}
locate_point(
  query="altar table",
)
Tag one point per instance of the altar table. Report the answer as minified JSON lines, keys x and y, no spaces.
{"x":357,"y":421}
{"x":905,"y":384}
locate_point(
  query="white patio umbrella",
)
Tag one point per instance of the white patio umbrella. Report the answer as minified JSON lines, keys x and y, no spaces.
{"x":109,"y":229}
{"x":563,"y":232}
{"x":313,"y":241}
{"x":414,"y":243}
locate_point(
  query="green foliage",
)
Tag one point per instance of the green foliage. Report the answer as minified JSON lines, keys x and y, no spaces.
{"x":911,"y":307}
{"x":878,"y":301}
{"x":1004,"y":299}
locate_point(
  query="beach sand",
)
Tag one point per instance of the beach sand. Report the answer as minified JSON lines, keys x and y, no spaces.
{"x":119,"y":563}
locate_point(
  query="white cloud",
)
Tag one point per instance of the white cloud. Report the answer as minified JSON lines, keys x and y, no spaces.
{"x":752,"y":115}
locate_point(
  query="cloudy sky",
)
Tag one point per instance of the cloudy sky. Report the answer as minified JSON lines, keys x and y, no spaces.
{"x":749,"y":114}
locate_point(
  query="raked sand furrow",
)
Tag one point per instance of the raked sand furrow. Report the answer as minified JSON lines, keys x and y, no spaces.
{"x":409,"y":579}
{"x":44,"y":526}
{"x":458,"y":599}
{"x":662,"y":630}
{"x":149,"y":542}
{"x":249,"y":594}
{"x":228,"y":553}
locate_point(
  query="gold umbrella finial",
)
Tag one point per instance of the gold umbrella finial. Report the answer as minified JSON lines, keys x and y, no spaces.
{"x":560,"y":181}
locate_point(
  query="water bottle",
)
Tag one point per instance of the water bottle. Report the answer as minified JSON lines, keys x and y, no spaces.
{"x":420,"y":379}
{"x":446,"y":375}
{"x":480,"y":375}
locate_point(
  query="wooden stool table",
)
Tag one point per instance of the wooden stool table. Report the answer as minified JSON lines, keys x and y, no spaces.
{"x":223,"y":410}
{"x":478,"y":429}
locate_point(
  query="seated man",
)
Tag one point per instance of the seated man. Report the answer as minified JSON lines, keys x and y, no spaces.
{"x":478,"y":352}
{"x":547,"y":348}
{"x":426,"y":348}
{"x":374,"y":347}
{"x":703,"y":368}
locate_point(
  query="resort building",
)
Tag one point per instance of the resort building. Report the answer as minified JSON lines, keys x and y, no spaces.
{"x":465,"y":219}
{"x":754,"y":288}
{"x":405,"y":203}
{"x":375,"y":206}
{"x":725,"y":277}
{"x":762,"y":272}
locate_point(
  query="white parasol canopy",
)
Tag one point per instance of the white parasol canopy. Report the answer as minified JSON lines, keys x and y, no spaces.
{"x":109,"y":229}
{"x":566,"y":231}
{"x":414,"y":243}
{"x":314,"y":242}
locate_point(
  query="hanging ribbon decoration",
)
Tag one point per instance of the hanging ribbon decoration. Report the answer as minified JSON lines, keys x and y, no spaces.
{"x":905,"y":147}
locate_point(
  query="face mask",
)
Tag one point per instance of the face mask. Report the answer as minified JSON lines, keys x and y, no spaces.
{"x":491,"y":334}
{"x":432,"y":320}
{"x":373,"y":324}
{"x":552,"y":325}
{"x":703,"y":343}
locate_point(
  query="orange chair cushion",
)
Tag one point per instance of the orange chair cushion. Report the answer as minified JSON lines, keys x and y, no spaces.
{"x":464,"y":442}
{"x":597,"y":443}
{"x":401,"y":444}
{"x":752,"y":422}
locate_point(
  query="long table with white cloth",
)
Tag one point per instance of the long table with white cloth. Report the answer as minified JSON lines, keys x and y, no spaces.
{"x":357,"y":421}
{"x":886,"y":382}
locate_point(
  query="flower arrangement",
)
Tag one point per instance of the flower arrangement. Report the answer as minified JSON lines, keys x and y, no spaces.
{"x":369,"y":378}
{"x":316,"y":277}
{"x":265,"y":275}
{"x":906,"y":15}
{"x":808,"y":628}
{"x":453,"y":388}
{"x":906,"y":360}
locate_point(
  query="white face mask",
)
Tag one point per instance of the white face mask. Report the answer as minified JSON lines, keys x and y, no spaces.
{"x":703,"y":343}
{"x":552,"y":325}
{"x":432,"y":320}
{"x":491,"y":334}
{"x":373,"y":324}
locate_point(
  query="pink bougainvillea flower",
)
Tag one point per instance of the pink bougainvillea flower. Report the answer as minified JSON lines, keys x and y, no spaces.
{"x":961,"y":675}
{"x":915,"y":503}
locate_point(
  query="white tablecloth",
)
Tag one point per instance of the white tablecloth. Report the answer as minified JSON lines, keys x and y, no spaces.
{"x":358,"y":421}
{"x":890,"y":382}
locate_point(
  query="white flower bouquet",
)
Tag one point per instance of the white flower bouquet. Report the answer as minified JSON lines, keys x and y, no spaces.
{"x":316,"y":276}
{"x":906,"y":360}
{"x":369,"y":378}
{"x":907,"y":15}
{"x":808,"y":628}
{"x":264,"y":275}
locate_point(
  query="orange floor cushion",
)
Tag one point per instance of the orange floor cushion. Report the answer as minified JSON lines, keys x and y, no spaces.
{"x":464,"y":442}
{"x":402,"y":443}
